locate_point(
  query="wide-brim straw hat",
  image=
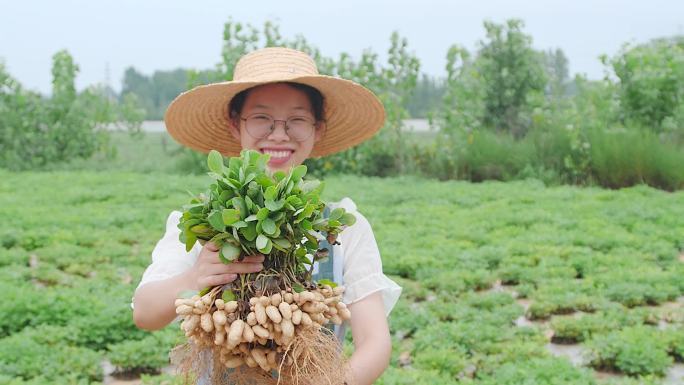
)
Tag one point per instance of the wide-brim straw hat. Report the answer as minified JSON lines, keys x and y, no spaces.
{"x":199,"y":118}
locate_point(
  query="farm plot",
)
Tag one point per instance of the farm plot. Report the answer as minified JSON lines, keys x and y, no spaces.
{"x":496,"y":276}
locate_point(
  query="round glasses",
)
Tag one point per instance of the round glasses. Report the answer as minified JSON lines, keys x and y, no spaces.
{"x":298,"y":128}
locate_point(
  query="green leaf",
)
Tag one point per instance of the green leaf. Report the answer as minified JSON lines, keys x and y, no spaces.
{"x":250,"y":205}
{"x":234,"y":163}
{"x":230,"y":216}
{"x":310,"y":185}
{"x":268,"y":226}
{"x":228,"y":296}
{"x":253,"y":156}
{"x":239,"y":224}
{"x":274,"y":205}
{"x":348,"y":219}
{"x":294,"y":201}
{"x":336,"y":213}
{"x":279,"y":216}
{"x":190,"y":239}
{"x":249,"y":232}
{"x":303,"y":259}
{"x":215,"y":162}
{"x":290,"y":186}
{"x":279,"y":175}
{"x":262,"y":213}
{"x":263,"y":244}
{"x":327,"y":282}
{"x":239,"y":204}
{"x":298,"y":172}
{"x":201,"y":229}
{"x":282,"y":242}
{"x":264,"y":181}
{"x":251,"y":218}
{"x":270,"y":193}
{"x":225,"y":195}
{"x":229,"y":252}
{"x":250,"y":178}
{"x":297,"y":288}
{"x":216,"y":221}
{"x":306,"y":224}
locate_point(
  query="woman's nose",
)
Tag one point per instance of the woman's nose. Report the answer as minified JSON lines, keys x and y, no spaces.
{"x":279,"y":131}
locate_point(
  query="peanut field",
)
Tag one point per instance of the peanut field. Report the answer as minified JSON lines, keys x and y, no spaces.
{"x":504,"y":283}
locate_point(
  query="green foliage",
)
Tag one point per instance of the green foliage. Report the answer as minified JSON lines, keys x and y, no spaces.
{"x":44,"y":354}
{"x":164,"y":379}
{"x":631,"y":157}
{"x":36,"y":132}
{"x":149,"y":354}
{"x":249,"y":210}
{"x":637,"y":350}
{"x":542,"y":371}
{"x":581,"y":327}
{"x":650,"y":88}
{"x":512,"y":72}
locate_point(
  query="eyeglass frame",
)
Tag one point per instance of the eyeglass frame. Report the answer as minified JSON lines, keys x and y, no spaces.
{"x":314,"y":126}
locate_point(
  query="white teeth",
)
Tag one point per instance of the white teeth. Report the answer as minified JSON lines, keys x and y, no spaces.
{"x":277,"y":154}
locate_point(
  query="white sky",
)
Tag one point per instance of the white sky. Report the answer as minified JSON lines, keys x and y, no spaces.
{"x":166,"y":34}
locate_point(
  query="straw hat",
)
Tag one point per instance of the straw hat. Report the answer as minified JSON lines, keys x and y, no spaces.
{"x":199,"y":118}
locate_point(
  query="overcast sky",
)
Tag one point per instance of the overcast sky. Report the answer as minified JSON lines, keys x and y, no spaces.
{"x":166,"y":34}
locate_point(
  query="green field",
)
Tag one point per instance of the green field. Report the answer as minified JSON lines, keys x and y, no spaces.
{"x":493,"y":274}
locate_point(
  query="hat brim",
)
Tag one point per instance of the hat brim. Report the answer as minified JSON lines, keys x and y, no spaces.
{"x":199,"y":118}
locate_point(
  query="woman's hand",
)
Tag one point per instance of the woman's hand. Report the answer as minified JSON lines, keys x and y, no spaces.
{"x":209,"y":271}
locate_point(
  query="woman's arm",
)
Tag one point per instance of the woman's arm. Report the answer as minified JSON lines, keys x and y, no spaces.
{"x":153,"y":303}
{"x":372,"y":342}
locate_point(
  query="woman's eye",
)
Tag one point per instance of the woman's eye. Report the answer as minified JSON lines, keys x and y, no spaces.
{"x":261,"y":117}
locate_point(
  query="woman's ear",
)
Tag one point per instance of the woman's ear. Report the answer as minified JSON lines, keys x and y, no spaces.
{"x":320,"y":130}
{"x":234,"y":128}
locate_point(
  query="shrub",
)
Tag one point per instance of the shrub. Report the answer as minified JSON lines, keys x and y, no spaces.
{"x":676,"y":344}
{"x":578,"y":328}
{"x":630,"y":157}
{"x":44,"y":352}
{"x":149,"y":354}
{"x":539,"y":371}
{"x":636,"y":350}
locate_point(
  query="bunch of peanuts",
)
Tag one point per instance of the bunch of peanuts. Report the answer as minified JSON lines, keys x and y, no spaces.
{"x":262,"y":338}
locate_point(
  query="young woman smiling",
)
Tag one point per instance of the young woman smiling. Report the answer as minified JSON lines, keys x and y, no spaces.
{"x":278,"y":104}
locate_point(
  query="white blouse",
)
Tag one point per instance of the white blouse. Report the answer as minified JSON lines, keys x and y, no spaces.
{"x":361,"y":270}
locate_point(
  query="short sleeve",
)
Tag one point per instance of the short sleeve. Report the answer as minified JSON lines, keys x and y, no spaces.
{"x":362,"y":272}
{"x":169,"y":257}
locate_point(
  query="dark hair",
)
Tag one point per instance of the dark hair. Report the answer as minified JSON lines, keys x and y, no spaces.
{"x":314,"y":95}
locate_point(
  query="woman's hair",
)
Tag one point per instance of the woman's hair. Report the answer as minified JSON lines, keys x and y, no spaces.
{"x":314,"y":95}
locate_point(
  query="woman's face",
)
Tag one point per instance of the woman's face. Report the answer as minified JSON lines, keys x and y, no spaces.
{"x":281,"y":102}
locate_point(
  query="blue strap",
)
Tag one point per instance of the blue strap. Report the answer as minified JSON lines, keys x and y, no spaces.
{"x":326,"y":266}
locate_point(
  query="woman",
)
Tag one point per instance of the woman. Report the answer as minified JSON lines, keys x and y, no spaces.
{"x":278,"y":104}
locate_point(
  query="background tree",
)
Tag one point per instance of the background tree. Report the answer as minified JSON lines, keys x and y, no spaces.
{"x":37,"y":132}
{"x":651,"y":83}
{"x":512,"y":72}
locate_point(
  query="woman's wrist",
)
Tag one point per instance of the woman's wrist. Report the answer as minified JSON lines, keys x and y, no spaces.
{"x":189,"y":280}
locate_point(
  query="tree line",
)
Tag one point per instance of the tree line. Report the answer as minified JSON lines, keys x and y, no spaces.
{"x":504,"y":110}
